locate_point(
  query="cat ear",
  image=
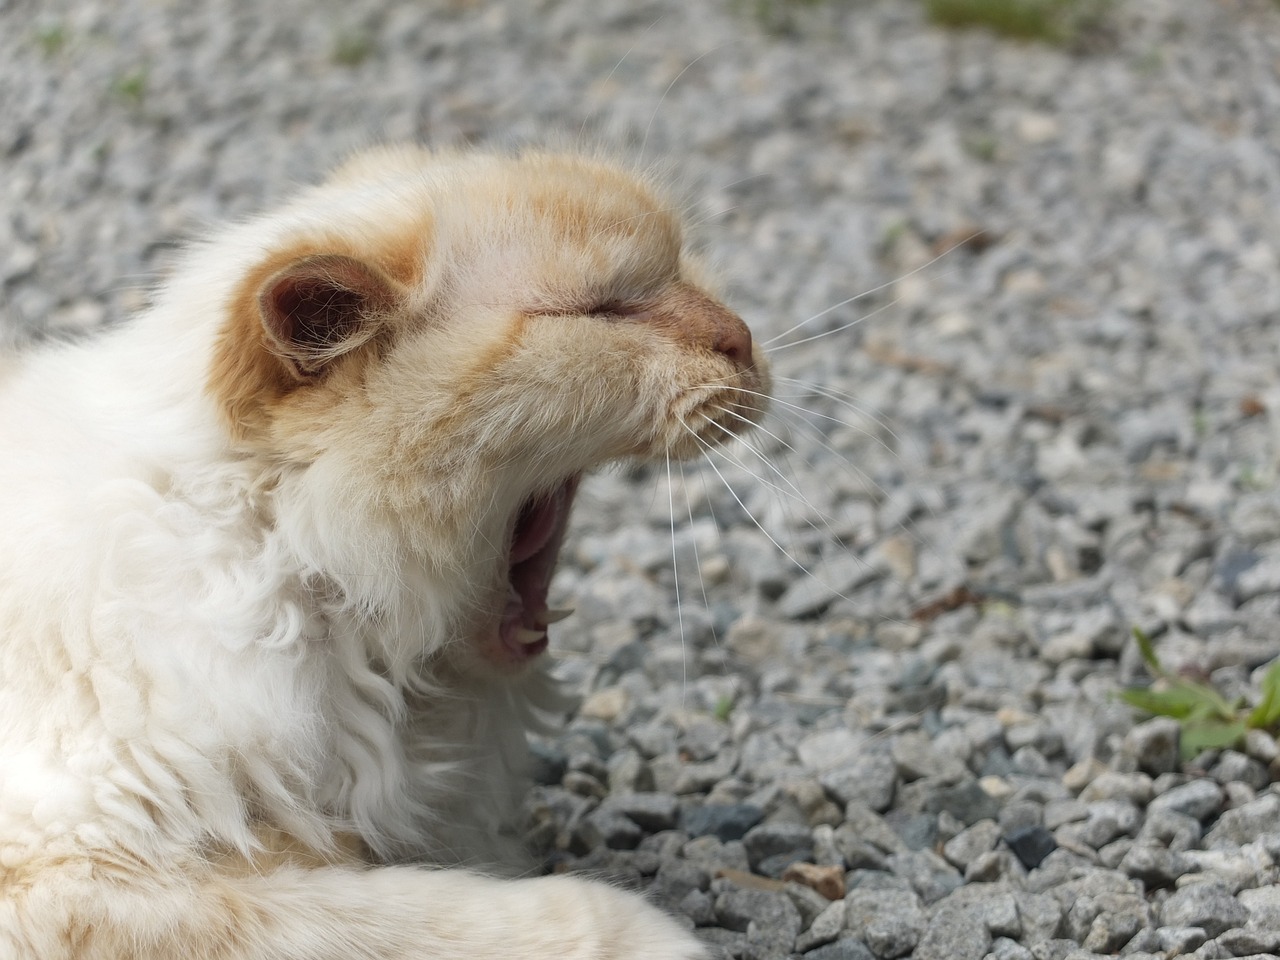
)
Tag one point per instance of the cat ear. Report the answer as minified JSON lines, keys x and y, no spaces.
{"x":322,"y":306}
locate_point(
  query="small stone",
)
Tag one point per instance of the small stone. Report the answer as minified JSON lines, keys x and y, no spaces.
{"x":1030,"y":844}
{"x":1081,"y":774}
{"x":724,"y":821}
{"x":992,"y":866}
{"x":1109,"y":819}
{"x":1136,"y":788}
{"x":1003,"y":948}
{"x":1247,"y":942}
{"x":870,"y":780}
{"x":698,"y":905}
{"x":1199,"y":798}
{"x":649,"y":811}
{"x":846,"y":949}
{"x":714,"y":855}
{"x":1154,"y":866}
{"x":628,"y":772}
{"x":966,"y":801}
{"x":1040,"y":915}
{"x":606,"y":704}
{"x":772,"y":932}
{"x":1180,"y":940}
{"x":1155,"y":744}
{"x":732,"y":942}
{"x":890,"y":922}
{"x":929,"y":875}
{"x":675,"y":879}
{"x":825,"y":928}
{"x":1263,"y":904}
{"x":737,"y":907}
{"x":864,"y":824}
{"x":1209,"y":905}
{"x":1053,"y":949}
{"x":609,"y":828}
{"x":831,"y":750}
{"x":1235,"y":767}
{"x":828,"y":881}
{"x":965,"y":847}
{"x":916,"y":758}
{"x":808,"y":901}
{"x":1112,"y":929}
{"x":954,"y":933}
{"x":787,"y":840}
{"x":1243,"y":825}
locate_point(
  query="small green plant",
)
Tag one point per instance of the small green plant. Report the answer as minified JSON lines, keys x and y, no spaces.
{"x":1049,"y":21}
{"x":724,"y":707}
{"x":1207,"y":718}
{"x":352,"y":47}
{"x":132,"y":86}
{"x":52,"y":37}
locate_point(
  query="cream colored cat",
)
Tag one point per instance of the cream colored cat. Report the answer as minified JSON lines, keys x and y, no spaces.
{"x":274,"y":562}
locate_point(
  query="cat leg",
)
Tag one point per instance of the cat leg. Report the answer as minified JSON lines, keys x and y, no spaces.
{"x":82,"y":912}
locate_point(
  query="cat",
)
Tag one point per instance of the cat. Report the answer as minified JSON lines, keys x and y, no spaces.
{"x":274,"y":561}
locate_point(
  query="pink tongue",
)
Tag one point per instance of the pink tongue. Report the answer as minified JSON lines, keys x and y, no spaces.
{"x":536,"y":525}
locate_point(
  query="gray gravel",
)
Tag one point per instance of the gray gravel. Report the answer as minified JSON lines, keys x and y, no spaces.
{"x":1007,"y":458}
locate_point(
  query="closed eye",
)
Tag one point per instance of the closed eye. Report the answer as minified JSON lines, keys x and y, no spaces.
{"x":612,"y":310}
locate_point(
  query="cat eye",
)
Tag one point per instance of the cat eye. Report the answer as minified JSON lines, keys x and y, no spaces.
{"x":613,"y":310}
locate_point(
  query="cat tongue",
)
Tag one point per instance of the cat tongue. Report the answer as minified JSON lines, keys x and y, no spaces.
{"x":537,"y":522}
{"x":535,"y":547}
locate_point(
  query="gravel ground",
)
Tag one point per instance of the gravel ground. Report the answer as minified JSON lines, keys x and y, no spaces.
{"x":881,"y":719}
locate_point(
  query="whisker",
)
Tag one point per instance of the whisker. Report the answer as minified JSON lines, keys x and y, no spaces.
{"x":670,"y":85}
{"x":623,"y":59}
{"x":827,"y":333}
{"x":752,"y":517}
{"x":734,"y":461}
{"x":675,"y":569}
{"x":867,"y":293}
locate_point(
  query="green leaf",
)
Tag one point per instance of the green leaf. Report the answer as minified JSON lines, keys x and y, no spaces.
{"x":1266,"y":715}
{"x":1182,"y":700}
{"x":1210,"y":734}
{"x":1148,"y":651}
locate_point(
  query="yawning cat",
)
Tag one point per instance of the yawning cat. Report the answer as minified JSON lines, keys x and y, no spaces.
{"x":274,"y":561}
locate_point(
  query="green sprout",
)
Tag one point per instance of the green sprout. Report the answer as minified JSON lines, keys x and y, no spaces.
{"x":52,"y":37}
{"x":132,"y":86}
{"x":1208,"y":720}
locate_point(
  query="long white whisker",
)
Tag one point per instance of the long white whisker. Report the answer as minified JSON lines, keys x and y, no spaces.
{"x":675,"y":569}
{"x":623,"y":59}
{"x":797,"y":497}
{"x":826,"y":333}
{"x":867,"y":293}
{"x":670,"y":85}
{"x":759,"y":526}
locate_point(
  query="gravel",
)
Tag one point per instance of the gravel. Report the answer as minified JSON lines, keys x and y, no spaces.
{"x":900,"y":635}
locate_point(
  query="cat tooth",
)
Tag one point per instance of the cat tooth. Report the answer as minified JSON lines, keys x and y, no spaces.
{"x":548,"y":617}
{"x":526,"y":636}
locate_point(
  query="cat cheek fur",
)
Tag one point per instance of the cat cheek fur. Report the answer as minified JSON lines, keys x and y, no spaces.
{"x":254,"y":541}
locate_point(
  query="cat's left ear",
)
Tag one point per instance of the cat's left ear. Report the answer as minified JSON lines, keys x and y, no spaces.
{"x":322,"y":306}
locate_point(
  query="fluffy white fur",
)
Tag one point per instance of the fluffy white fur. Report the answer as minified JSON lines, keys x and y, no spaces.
{"x":252,"y":575}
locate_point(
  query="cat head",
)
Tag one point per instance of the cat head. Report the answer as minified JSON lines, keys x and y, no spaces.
{"x":453,"y":341}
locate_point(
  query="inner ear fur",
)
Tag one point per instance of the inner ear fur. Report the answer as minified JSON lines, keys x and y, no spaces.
{"x":322,"y":306}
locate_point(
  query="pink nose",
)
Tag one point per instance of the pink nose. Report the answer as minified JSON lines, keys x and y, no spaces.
{"x":734,"y":341}
{"x":700,"y":321}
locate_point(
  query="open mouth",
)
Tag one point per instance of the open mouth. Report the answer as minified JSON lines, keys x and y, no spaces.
{"x":535,"y":547}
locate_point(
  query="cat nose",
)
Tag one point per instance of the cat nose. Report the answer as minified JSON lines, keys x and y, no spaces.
{"x":701,"y":321}
{"x":734,"y":341}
